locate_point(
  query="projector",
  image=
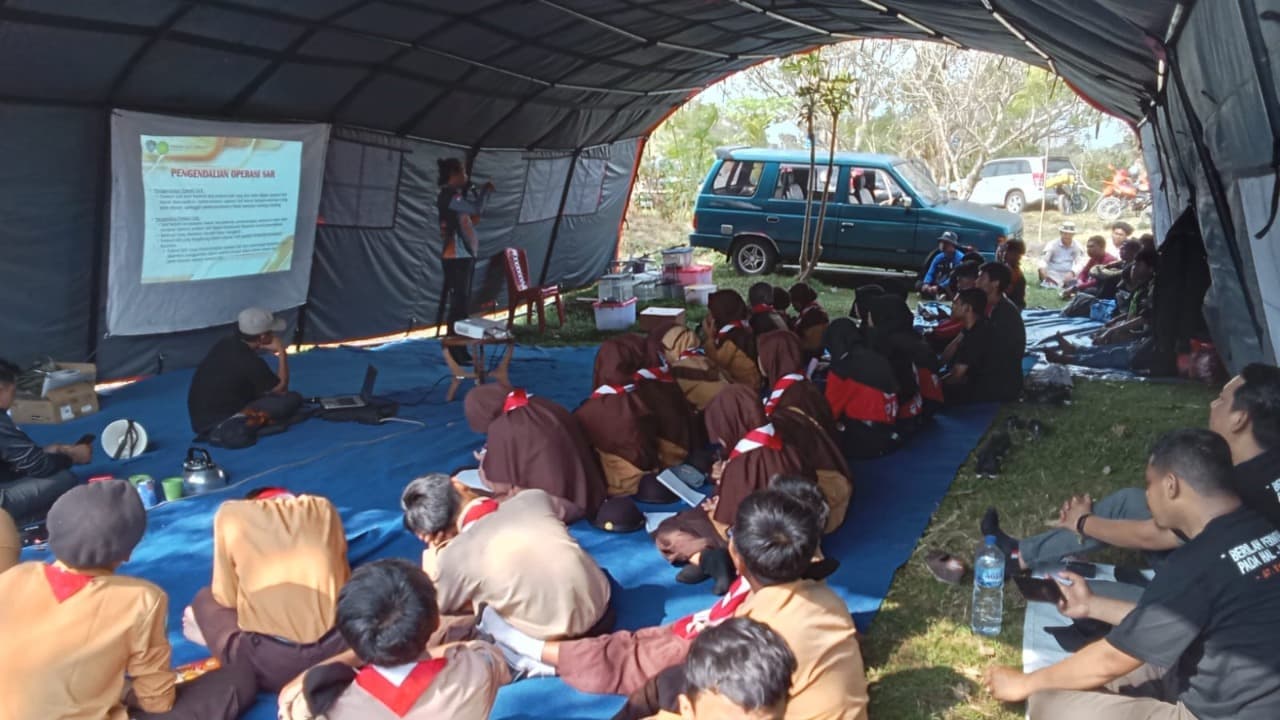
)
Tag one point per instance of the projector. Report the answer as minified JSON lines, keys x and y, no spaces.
{"x":480,"y":329}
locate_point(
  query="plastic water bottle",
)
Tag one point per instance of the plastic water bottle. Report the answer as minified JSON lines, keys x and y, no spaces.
{"x":988,"y":589}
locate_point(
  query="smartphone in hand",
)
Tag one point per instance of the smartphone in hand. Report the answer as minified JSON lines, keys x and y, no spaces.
{"x":86,"y":439}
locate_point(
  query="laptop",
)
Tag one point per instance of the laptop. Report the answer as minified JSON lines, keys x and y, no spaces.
{"x":341,"y":402}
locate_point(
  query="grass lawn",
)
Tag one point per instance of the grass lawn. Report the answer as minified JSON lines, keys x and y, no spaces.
{"x":921,"y":657}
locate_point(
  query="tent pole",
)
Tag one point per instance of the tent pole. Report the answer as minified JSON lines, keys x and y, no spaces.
{"x":101,"y":232}
{"x":555,"y":227}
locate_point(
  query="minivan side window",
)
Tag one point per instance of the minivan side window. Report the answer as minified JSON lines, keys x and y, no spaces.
{"x":794,"y":179}
{"x":737,"y":178}
{"x":871,"y":186}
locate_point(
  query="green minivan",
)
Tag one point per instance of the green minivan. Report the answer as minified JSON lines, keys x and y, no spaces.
{"x":882,"y":211}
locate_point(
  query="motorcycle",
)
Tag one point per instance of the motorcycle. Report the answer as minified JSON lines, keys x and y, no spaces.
{"x":1121,"y":196}
{"x":1068,"y":191}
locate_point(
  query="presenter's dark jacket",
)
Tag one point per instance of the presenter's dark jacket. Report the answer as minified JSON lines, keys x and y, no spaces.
{"x":452,"y":203}
{"x":21,"y":457}
{"x":230,"y":377}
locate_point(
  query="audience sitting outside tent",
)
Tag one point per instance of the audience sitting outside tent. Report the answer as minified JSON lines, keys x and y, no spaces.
{"x":279,"y":560}
{"x":1200,"y":642}
{"x":234,"y":395}
{"x":1014,"y":251}
{"x":387,"y":614}
{"x":1121,"y":231}
{"x":1246,"y":413}
{"x":1124,"y":342}
{"x":1096,"y":248}
{"x":995,"y":347}
{"x":1108,"y":280}
{"x":965,"y":277}
{"x":969,"y":376}
{"x":937,"y":280}
{"x":79,"y":641}
{"x":1061,"y":258}
{"x":31,"y":477}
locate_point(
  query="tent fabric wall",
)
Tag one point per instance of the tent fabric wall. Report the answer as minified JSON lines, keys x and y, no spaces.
{"x":510,"y":85}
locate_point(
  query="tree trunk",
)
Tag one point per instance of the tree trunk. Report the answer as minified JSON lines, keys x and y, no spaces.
{"x":808,"y":195}
{"x":807,"y":269}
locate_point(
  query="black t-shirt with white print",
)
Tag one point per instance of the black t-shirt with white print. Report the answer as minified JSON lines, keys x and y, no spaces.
{"x":1212,"y":616}
{"x":1258,"y":484}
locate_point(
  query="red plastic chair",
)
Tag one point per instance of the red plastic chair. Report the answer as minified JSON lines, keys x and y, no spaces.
{"x":522,"y":291}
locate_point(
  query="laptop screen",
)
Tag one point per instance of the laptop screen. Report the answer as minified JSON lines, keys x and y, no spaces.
{"x":370,"y":376}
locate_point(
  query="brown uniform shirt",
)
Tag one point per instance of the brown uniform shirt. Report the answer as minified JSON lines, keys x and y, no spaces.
{"x":68,"y":659}
{"x":279,"y":564}
{"x":10,"y":542}
{"x":522,"y":562}
{"x":463,"y":690}
{"x":829,"y":682}
{"x":736,"y":364}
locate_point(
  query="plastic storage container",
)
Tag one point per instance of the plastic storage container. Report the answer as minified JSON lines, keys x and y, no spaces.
{"x":677,"y":257}
{"x":698,"y":294}
{"x":617,"y":288}
{"x":670,"y":290}
{"x":615,"y":315}
{"x":695,"y":275}
{"x":647,"y":290}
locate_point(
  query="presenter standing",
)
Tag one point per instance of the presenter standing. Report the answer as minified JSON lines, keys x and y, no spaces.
{"x":460,"y":205}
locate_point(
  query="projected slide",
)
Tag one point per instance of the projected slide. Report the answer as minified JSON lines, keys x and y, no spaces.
{"x":218,"y":207}
{"x":209,"y":217}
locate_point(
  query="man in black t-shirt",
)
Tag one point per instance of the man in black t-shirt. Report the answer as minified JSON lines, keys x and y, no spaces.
{"x":1246,"y":413}
{"x":968,"y":376}
{"x":1200,"y":643}
{"x":1008,"y":334}
{"x":232,"y":379}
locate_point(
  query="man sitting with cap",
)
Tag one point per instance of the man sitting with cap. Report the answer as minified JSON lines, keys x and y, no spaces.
{"x":1061,"y":259}
{"x":517,"y":557}
{"x":71,"y":631}
{"x":31,"y":477}
{"x":937,"y":279}
{"x":233,"y":380}
{"x":279,"y":561}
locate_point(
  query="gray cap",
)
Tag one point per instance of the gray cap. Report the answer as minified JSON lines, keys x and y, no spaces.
{"x":96,"y":525}
{"x":256,"y":321}
{"x":949,"y":237}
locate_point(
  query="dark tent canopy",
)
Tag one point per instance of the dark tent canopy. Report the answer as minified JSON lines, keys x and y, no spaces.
{"x":553,"y":98}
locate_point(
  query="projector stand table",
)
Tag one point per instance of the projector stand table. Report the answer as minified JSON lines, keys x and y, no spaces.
{"x":478,"y":370}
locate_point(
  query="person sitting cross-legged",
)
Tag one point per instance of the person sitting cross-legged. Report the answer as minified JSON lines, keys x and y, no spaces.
{"x":1200,"y":643}
{"x":78,"y":640}
{"x":31,"y":477}
{"x":516,"y":557}
{"x":741,"y":669}
{"x":1246,"y":413}
{"x":279,"y":560}
{"x":387,"y":613}
{"x":764,"y":317}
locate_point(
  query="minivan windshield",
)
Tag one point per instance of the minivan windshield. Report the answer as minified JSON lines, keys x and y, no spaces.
{"x":915,"y":175}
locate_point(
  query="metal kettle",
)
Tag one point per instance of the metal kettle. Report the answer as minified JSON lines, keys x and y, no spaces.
{"x":200,"y":474}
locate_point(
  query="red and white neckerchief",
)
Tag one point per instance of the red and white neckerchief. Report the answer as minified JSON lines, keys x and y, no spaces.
{"x":659,"y":373}
{"x":779,"y":388}
{"x":731,"y":327}
{"x":517,"y":398}
{"x":604,"y":390}
{"x":762,"y":436}
{"x":65,"y":583}
{"x":761,"y":309}
{"x":696,"y":352}
{"x":930,"y":385}
{"x":910,"y":408}
{"x":399,"y":687}
{"x":689,"y":626}
{"x":476,"y":509}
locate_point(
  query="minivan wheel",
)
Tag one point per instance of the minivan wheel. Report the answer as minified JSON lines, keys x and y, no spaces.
{"x":754,"y":256}
{"x":1015,"y":201}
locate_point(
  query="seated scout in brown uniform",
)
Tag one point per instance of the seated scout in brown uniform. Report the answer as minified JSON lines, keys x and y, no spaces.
{"x":10,"y":542}
{"x":728,"y":339}
{"x":740,"y":669}
{"x":622,"y":662}
{"x":386,"y":614}
{"x":617,"y":421}
{"x":72,"y":630}
{"x":279,"y":561}
{"x":698,"y":377}
{"x":517,"y":557}
{"x":811,"y":320}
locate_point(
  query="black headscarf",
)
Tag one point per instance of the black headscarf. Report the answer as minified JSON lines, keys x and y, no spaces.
{"x":854,"y":359}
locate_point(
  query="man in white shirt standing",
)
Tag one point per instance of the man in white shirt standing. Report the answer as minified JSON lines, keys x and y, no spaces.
{"x":1061,"y":259}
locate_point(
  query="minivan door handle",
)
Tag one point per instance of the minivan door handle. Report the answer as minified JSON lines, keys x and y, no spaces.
{"x":847,"y":225}
{"x":772,"y":219}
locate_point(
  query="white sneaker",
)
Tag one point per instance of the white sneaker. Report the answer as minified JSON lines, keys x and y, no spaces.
{"x":523,"y":666}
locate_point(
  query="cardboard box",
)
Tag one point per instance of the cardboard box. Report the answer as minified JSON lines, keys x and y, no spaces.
{"x":61,"y":403}
{"x":653,"y":317}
